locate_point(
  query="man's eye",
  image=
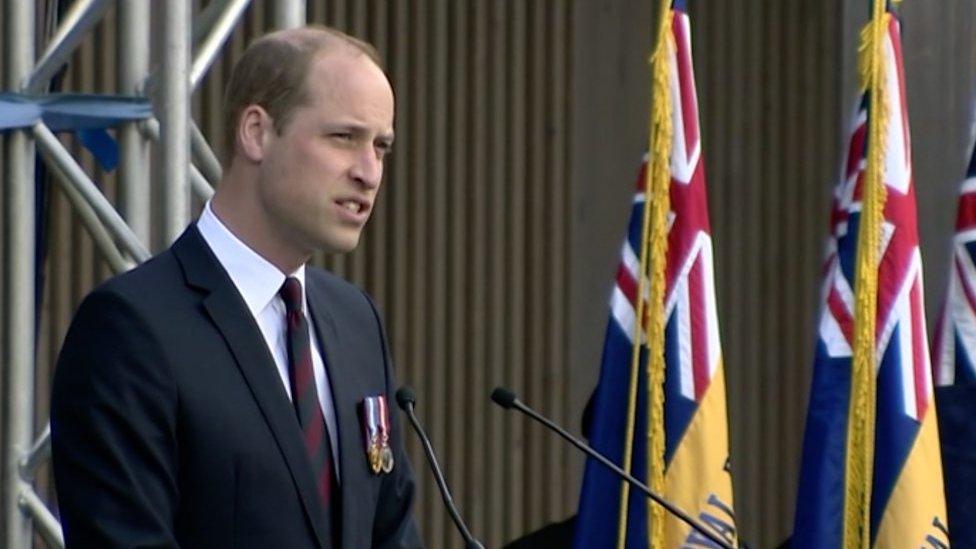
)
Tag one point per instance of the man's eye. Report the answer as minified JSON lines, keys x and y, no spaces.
{"x":342,"y":136}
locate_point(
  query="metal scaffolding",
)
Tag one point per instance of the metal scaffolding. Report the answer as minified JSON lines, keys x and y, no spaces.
{"x":121,"y":232}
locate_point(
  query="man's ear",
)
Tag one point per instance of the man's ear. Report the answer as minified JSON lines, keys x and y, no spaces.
{"x":253,"y":130}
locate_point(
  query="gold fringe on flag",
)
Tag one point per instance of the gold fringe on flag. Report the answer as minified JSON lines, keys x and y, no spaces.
{"x":861,"y":414}
{"x":659,"y":186}
{"x":653,"y":254}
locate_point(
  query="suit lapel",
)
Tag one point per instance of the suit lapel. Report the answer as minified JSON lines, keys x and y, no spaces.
{"x":229,"y":313}
{"x":345,"y":397}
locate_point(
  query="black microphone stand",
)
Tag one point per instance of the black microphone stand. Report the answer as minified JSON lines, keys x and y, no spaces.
{"x":406,"y":400}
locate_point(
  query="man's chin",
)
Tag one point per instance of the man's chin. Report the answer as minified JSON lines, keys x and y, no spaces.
{"x":339,"y":245}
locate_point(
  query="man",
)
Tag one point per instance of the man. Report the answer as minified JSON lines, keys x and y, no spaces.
{"x":223,"y":394}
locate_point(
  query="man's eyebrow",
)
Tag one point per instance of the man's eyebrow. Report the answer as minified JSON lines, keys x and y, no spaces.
{"x":353,"y":127}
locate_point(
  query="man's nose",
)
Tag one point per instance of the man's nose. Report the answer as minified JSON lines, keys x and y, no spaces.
{"x":368,"y":167}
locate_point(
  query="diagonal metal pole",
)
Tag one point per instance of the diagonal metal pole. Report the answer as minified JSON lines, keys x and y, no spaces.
{"x":203,"y":155}
{"x":19,"y":265}
{"x":210,"y":46}
{"x":77,"y":22}
{"x":47,"y":525}
{"x":199,"y":184}
{"x":39,"y":453}
{"x":135,"y":190}
{"x":65,"y":165}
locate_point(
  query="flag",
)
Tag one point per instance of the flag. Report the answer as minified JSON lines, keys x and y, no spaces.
{"x":954,"y":369}
{"x":693,"y":429}
{"x":871,"y":471}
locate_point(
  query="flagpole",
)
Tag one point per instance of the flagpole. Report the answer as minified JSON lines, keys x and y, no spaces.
{"x":653,"y":243}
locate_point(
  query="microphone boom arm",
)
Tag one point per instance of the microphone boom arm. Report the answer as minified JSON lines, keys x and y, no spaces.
{"x":506,"y":399}
{"x":405,"y":399}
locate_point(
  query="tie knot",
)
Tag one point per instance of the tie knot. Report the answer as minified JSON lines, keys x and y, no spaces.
{"x":291,"y":294}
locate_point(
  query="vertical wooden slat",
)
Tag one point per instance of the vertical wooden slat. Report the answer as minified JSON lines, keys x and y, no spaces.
{"x":533,"y":189}
{"x":356,"y":24}
{"x":317,"y":12}
{"x":459,"y":362}
{"x":782,"y":168}
{"x":515,"y":236}
{"x":398,"y":195}
{"x":418,"y":240}
{"x":358,"y":17}
{"x":436,"y":236}
{"x":336,"y":13}
{"x":376,"y":246}
{"x":556,"y":483}
{"x":488,"y":242}
{"x":796,"y":30}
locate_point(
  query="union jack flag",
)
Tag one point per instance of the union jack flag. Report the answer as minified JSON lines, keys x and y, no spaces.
{"x":955,"y":340}
{"x":955,"y":369}
{"x":696,"y":431}
{"x":905,"y":437}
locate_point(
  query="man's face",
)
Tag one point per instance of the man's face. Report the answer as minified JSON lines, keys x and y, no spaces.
{"x":320,"y":176}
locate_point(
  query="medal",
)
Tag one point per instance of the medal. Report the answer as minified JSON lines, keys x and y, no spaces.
{"x":386,"y":456}
{"x":375,"y":459}
{"x":376,"y":434}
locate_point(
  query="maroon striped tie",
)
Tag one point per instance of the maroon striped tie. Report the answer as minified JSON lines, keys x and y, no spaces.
{"x":304,"y":395}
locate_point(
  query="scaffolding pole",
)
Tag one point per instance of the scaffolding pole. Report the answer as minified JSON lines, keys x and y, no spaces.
{"x":289,"y":14}
{"x":23,"y":512}
{"x":199,"y":184}
{"x":73,"y":175}
{"x":135,"y":190}
{"x":19,"y":265}
{"x":210,"y":47}
{"x":204,"y":157}
{"x":47,"y":525}
{"x":174,"y":118}
{"x":77,"y":22}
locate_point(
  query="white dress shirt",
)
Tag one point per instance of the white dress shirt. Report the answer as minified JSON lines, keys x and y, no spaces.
{"x":258,"y":282}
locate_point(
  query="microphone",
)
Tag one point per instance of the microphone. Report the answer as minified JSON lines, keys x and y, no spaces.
{"x":507,"y":399}
{"x":406,"y":400}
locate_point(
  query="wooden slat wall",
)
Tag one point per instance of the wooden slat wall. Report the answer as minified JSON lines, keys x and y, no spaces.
{"x":492,"y":249}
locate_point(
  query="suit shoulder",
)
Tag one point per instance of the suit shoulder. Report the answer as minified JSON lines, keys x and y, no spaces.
{"x":151,"y":292}
{"x":145,"y":281}
{"x":344,"y":299}
{"x":337,"y":287}
{"x":318,"y":275}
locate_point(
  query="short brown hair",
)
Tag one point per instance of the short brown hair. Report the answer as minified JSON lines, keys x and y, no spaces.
{"x":271,"y":74}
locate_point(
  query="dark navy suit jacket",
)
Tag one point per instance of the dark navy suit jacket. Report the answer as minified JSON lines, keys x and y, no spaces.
{"x":171,"y":427}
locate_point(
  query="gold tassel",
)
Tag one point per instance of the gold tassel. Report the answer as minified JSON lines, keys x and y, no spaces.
{"x":653,"y":254}
{"x":660,"y":193}
{"x":861,"y":414}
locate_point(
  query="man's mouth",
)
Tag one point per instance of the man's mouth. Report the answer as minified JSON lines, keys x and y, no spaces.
{"x":352,"y":206}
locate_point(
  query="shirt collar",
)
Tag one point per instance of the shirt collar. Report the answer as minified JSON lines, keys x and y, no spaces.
{"x":257,"y":280}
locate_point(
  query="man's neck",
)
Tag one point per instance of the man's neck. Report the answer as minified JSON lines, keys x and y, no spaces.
{"x":247,"y":223}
